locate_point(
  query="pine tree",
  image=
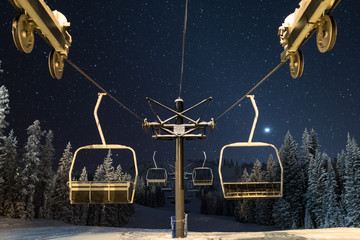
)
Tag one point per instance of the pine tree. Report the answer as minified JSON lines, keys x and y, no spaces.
{"x":282,"y":214}
{"x":331,"y":208}
{"x":264,"y":207}
{"x":351,"y":198}
{"x":293,"y":180}
{"x":109,"y":216}
{"x":306,"y":156}
{"x":8,"y":161}
{"x":119,"y":174}
{"x":4,"y":110}
{"x":61,"y":208}
{"x":29,"y":174}
{"x":109,"y":168}
{"x":84,"y":175}
{"x":313,"y":205}
{"x":140,"y":191}
{"x":246,"y":207}
{"x":45,"y":186}
{"x":81,"y":210}
{"x":257,"y":173}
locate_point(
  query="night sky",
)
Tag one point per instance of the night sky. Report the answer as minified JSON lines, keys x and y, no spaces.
{"x":133,"y":49}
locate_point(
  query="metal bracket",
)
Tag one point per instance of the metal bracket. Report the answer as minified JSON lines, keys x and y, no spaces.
{"x":163,"y":129}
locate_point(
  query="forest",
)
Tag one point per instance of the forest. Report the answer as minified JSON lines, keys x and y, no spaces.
{"x":319,"y":191}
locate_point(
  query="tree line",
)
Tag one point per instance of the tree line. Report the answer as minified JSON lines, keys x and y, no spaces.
{"x":29,"y":188}
{"x":319,"y":192}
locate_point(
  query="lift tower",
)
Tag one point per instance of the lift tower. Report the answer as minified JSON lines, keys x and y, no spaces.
{"x":180,"y":131}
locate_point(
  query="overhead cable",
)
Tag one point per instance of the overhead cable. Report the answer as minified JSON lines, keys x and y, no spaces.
{"x":183,"y":49}
{"x":257,"y":85}
{"x":102,"y":89}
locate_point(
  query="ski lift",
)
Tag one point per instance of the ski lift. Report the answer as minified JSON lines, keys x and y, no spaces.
{"x":237,"y":190}
{"x":96,"y":192}
{"x":202,"y":176}
{"x":156,"y":176}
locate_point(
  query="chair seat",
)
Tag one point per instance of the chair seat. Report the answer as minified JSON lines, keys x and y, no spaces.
{"x":92,"y":192}
{"x":252,"y":189}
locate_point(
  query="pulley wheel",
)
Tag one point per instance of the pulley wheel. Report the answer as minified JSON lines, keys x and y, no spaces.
{"x":56,"y":64}
{"x":23,"y":33}
{"x":326,"y":34}
{"x":296,"y":64}
{"x":16,"y":5}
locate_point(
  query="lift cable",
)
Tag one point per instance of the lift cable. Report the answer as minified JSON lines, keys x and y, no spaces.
{"x":183,"y":49}
{"x":102,"y":89}
{"x":257,"y":85}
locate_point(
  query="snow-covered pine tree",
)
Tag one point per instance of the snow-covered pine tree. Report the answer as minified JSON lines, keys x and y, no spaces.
{"x":109,"y":215}
{"x":312,"y":194}
{"x":245,"y":210}
{"x":264,"y":207}
{"x":29,"y":174}
{"x":61,"y":208}
{"x":351,"y":194}
{"x":81,"y":210}
{"x":257,"y":174}
{"x":282,"y":214}
{"x":44,"y":189}
{"x":84,"y":175}
{"x":331,"y":208}
{"x":8,"y":160}
{"x":321,"y":188}
{"x":308,"y":223}
{"x":340,"y":166}
{"x":108,"y":167}
{"x":293,"y":183}
{"x":306,"y":156}
{"x":96,"y":210}
{"x":4,"y":110}
{"x":140,"y":191}
{"x":119,"y":174}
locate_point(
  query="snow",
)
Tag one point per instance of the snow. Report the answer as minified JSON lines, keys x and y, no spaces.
{"x":148,"y":223}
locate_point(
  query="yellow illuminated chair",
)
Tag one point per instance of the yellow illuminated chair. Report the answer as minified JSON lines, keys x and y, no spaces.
{"x":97,"y":192}
{"x":239,"y":189}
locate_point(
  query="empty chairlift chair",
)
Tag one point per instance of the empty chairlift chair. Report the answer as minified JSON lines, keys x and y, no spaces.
{"x":238,"y":189}
{"x":97,"y":192}
{"x":202,"y":176}
{"x":156,"y":177}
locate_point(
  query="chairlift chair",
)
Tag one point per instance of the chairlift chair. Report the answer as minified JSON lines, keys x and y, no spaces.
{"x":97,"y":192}
{"x":202,"y":176}
{"x":156,"y":176}
{"x":238,"y":190}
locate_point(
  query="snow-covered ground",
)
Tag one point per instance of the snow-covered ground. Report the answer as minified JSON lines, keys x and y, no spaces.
{"x":148,"y":223}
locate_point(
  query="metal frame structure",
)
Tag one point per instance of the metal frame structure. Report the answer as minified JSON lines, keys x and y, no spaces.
{"x":195,"y":174}
{"x":50,"y":25}
{"x":164,"y":130}
{"x":237,"y":190}
{"x":311,"y":16}
{"x":95,"y":192}
{"x":157,"y":182}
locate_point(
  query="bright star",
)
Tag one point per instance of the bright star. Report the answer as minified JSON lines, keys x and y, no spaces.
{"x":267,"y":130}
